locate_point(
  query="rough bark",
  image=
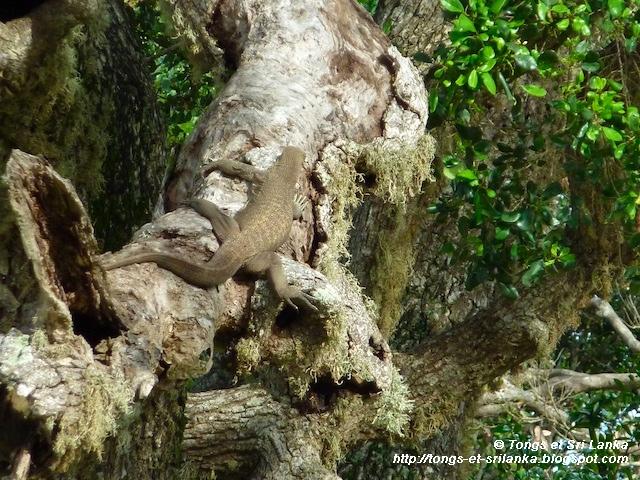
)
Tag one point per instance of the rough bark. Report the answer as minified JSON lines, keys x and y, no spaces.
{"x":75,"y":88}
{"x":316,"y":75}
{"x":414,"y":25}
{"x":267,"y":430}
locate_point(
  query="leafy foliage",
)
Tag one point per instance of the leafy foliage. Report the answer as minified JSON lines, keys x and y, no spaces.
{"x":508,"y":185}
{"x":512,"y":217}
{"x":182,"y":95}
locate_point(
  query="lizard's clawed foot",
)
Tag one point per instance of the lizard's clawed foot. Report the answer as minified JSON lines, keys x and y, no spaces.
{"x":299,"y":206}
{"x":293,"y":295}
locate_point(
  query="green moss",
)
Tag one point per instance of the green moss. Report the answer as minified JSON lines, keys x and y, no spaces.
{"x":200,"y":47}
{"x":343,"y":187}
{"x":346,"y":417}
{"x":327,"y":357}
{"x":324,"y":353}
{"x":53,"y":115}
{"x":247,"y":355}
{"x":434,"y":415}
{"x":84,"y":429}
{"x":399,"y":172}
{"x":392,"y":264}
{"x":190,"y":471}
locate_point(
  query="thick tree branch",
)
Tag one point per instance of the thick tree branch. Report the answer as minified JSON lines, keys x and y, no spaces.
{"x":452,"y":367}
{"x":510,"y":398}
{"x":576,"y":382}
{"x":245,"y":428}
{"x":414,"y":25}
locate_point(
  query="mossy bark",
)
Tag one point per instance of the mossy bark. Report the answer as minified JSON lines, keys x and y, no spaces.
{"x":75,"y":88}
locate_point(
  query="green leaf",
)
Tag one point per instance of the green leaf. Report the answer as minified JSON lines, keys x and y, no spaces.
{"x":533,"y":272}
{"x":488,"y":82}
{"x":464,"y":116}
{"x":525,"y":221}
{"x":510,"y":217}
{"x":488,"y":65}
{"x":583,"y":130}
{"x":467,"y":174}
{"x":568,"y":259}
{"x":433,"y":101}
{"x":633,"y":118}
{"x":579,"y":25}
{"x":597,"y":83}
{"x":563,"y":24}
{"x":630,"y":210}
{"x":488,"y":52}
{"x":593,"y":133}
{"x":509,"y":291}
{"x":464,"y":24}
{"x":453,"y":6}
{"x":526,"y":61}
{"x":615,"y":7}
{"x":496,"y":6}
{"x":449,"y":173}
{"x":560,"y":8}
{"x":542,"y":11}
{"x":612,"y":134}
{"x":591,"y":67}
{"x":501,"y":233}
{"x":534,"y":90}
{"x":472,"y":79}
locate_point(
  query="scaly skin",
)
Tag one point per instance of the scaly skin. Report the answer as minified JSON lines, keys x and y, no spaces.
{"x":250,"y":240}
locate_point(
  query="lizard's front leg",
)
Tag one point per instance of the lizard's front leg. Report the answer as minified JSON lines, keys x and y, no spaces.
{"x":270,"y":263}
{"x":299,"y":206}
{"x":233,"y":168}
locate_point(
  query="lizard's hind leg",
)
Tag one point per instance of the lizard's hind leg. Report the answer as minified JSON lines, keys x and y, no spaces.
{"x":222,"y":224}
{"x":270,"y":263}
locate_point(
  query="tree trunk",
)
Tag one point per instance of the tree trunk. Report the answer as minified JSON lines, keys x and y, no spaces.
{"x":75,"y":88}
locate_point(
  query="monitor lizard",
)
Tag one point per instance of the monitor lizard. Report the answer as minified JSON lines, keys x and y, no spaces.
{"x":249,"y":240}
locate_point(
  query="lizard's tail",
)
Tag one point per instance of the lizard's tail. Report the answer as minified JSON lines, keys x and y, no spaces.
{"x":200,"y":275}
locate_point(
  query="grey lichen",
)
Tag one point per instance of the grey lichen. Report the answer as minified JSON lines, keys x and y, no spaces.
{"x":399,"y":168}
{"x":394,"y":407}
{"x":105,"y":402}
